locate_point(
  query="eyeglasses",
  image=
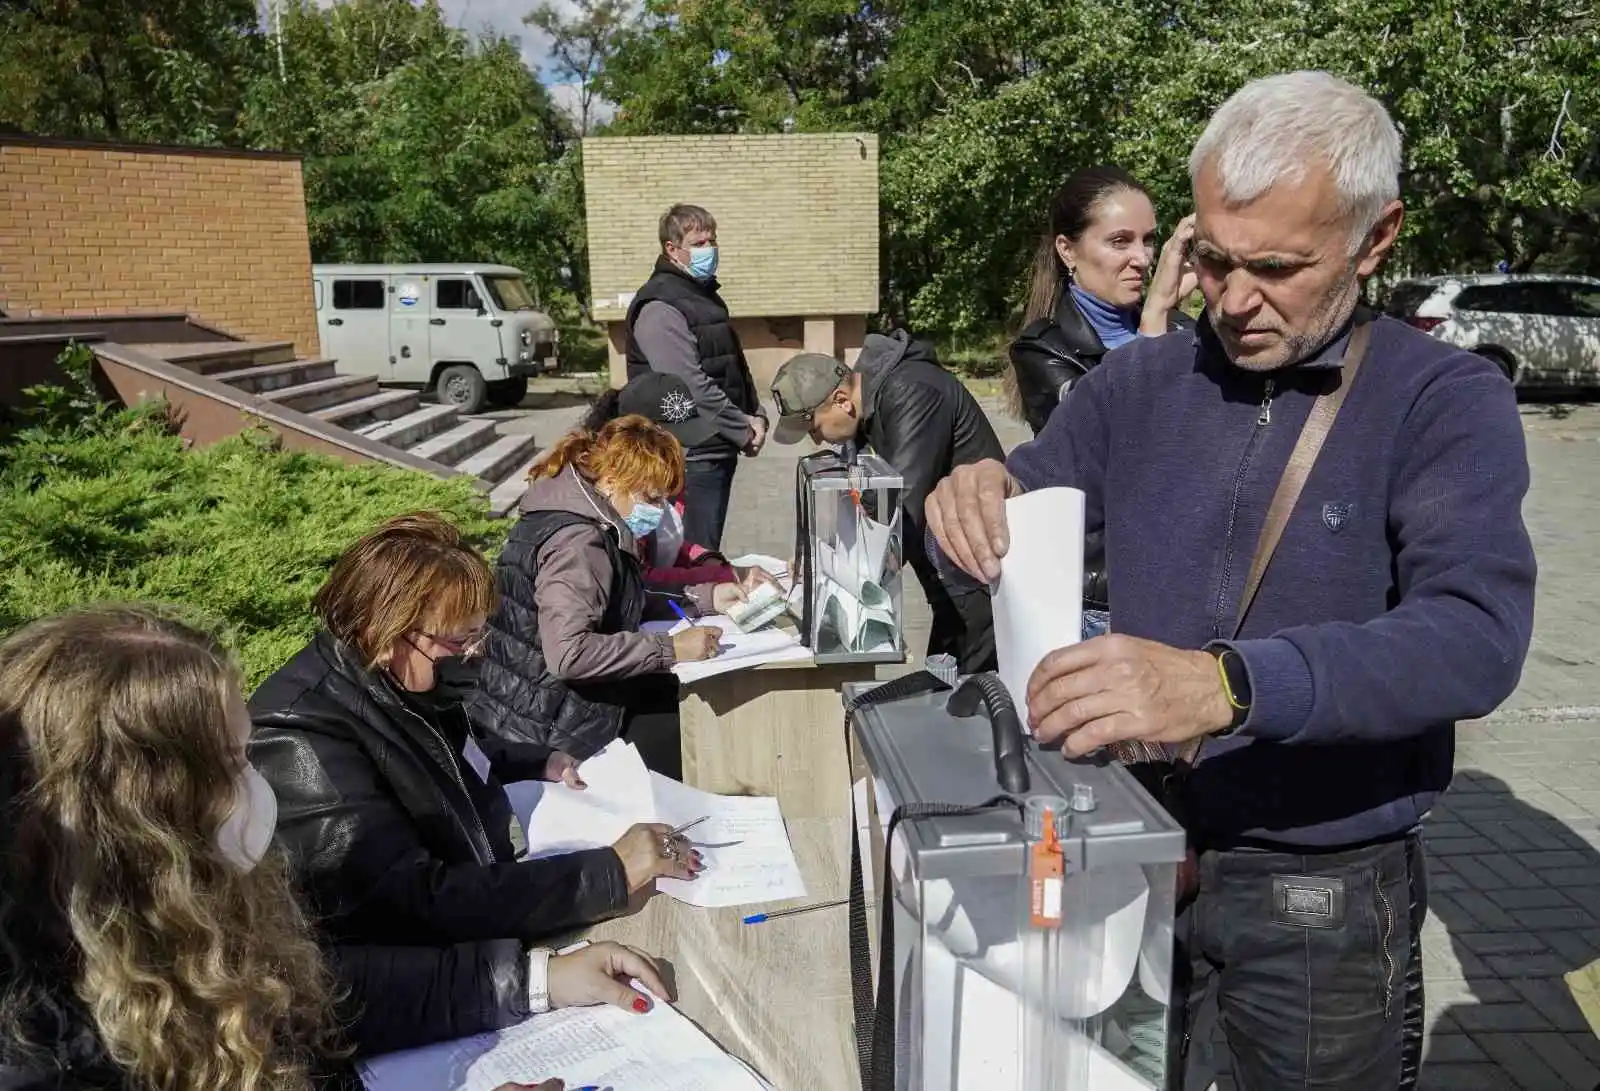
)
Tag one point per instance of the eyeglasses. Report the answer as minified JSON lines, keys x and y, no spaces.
{"x":469,"y":645}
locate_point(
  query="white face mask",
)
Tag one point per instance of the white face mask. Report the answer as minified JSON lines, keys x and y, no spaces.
{"x":246,"y":834}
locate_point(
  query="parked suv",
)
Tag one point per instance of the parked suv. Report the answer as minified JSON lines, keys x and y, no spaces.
{"x":1542,"y":331}
{"x":471,"y":333}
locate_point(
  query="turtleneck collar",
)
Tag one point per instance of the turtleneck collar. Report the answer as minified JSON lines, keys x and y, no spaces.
{"x":1113,"y":325}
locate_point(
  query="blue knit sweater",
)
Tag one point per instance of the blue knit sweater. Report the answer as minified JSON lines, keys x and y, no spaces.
{"x":1400,"y":599}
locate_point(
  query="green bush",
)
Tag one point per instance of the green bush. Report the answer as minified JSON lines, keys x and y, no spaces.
{"x":100,"y":503}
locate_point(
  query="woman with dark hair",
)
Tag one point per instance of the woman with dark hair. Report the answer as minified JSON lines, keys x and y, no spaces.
{"x":1091,"y":291}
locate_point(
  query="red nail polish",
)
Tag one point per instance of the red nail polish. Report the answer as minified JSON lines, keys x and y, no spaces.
{"x":641,"y":1005}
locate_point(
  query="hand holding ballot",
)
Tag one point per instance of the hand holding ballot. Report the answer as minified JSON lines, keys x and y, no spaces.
{"x":1115,"y":687}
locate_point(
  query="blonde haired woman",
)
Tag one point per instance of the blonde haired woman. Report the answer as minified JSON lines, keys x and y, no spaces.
{"x":148,"y":936}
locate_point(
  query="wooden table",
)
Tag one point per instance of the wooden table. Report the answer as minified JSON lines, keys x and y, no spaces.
{"x":776,"y":995}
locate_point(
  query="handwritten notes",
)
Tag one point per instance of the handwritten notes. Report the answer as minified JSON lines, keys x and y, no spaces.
{"x":743,"y":840}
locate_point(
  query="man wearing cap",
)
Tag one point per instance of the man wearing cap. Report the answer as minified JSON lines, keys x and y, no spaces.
{"x":922,"y":421}
{"x":678,"y":325}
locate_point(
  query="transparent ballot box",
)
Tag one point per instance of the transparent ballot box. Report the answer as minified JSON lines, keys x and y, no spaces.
{"x":1021,"y":961}
{"x":850,"y":558}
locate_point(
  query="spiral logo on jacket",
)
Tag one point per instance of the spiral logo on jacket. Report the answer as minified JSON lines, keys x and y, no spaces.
{"x":676,"y":408}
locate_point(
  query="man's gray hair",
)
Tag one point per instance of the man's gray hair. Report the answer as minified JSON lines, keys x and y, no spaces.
{"x":679,"y":220}
{"x":1271,"y":128}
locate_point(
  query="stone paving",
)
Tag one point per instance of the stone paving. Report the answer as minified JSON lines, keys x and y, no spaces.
{"x":1515,"y":845}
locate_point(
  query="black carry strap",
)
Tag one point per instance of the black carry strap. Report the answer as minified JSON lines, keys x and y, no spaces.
{"x":875,"y":1019}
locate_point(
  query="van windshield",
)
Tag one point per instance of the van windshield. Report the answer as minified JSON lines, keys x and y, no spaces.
{"x":510,"y":294}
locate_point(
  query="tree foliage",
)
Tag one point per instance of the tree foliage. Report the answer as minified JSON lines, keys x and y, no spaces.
{"x":983,"y":106}
{"x":100,"y":504}
{"x":422,"y":142}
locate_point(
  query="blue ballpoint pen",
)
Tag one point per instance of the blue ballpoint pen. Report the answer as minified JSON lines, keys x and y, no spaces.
{"x":676,"y":609}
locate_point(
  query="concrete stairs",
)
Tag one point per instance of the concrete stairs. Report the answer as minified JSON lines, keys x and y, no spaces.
{"x":397,"y":418}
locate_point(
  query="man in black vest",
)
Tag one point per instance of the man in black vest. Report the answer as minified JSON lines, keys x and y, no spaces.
{"x":678,"y":324}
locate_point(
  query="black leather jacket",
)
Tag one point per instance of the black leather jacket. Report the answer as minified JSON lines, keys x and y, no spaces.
{"x":408,"y":857}
{"x":1047,"y":358}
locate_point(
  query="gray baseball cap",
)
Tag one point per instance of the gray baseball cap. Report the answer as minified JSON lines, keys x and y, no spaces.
{"x":799,"y":387}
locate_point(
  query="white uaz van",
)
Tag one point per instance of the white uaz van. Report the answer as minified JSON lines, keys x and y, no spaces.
{"x":472,"y":333}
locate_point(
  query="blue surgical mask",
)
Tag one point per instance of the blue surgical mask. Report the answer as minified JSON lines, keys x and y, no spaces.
{"x":644,"y":519}
{"x":703,"y":262}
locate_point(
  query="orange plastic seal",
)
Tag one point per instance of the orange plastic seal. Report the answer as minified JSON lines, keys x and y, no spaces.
{"x":1045,"y":871}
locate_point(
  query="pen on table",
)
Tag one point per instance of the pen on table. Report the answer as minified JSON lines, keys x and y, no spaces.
{"x":757,"y":918}
{"x":676,"y":609}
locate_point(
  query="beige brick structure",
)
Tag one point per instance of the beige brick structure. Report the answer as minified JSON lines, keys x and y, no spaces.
{"x":797,"y":224}
{"x":89,"y":229}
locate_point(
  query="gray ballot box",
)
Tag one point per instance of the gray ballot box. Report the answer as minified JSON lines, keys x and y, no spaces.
{"x":984,"y":995}
{"x":849,"y":553}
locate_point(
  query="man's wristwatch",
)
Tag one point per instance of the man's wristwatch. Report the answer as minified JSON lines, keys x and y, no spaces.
{"x":1235,"y":686}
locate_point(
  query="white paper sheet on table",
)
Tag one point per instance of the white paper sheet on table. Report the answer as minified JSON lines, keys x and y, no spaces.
{"x":743,"y":840}
{"x":602,"y":1046}
{"x":1038,"y":599}
{"x":739,"y":650}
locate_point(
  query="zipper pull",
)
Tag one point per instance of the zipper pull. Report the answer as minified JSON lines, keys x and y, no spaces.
{"x":1265,"y":417}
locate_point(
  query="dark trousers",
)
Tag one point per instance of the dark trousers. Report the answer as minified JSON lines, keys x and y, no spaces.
{"x":1312,"y":965}
{"x":650,"y":722}
{"x":707,"y":484}
{"x":963,"y":624}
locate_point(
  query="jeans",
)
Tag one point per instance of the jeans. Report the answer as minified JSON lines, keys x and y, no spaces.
{"x":1310,"y":962}
{"x":707,"y":484}
{"x":1095,"y":623}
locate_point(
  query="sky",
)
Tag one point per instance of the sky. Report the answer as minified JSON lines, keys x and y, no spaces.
{"x":505,"y":18}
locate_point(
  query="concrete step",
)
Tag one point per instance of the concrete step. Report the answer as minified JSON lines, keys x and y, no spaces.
{"x":504,"y":496}
{"x":414,"y":427}
{"x":500,"y":458}
{"x":384,"y":405}
{"x":462,"y":441}
{"x":259,"y":380}
{"x":307,"y":397}
{"x":209,"y":357}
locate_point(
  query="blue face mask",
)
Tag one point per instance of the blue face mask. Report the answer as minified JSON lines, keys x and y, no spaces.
{"x":703,"y":262}
{"x":644,"y":519}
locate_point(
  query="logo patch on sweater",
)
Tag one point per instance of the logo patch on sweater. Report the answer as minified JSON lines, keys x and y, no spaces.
{"x":1335,"y":516}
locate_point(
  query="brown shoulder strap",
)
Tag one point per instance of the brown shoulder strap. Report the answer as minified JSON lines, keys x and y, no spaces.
{"x":1301,"y":459}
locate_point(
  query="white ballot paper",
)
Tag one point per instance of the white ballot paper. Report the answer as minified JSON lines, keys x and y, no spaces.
{"x":586,"y":1047}
{"x":1038,"y":600}
{"x":738,"y":650}
{"x":743,"y":840}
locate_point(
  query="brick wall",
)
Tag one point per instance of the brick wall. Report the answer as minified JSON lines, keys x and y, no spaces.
{"x":797,"y":217}
{"x":113,"y":229}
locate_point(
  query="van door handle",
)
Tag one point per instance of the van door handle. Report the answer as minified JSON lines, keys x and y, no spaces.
{"x":335,"y":321}
{"x":435,"y":321}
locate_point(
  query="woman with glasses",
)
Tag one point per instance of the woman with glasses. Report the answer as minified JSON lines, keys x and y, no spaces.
{"x":402,"y":838}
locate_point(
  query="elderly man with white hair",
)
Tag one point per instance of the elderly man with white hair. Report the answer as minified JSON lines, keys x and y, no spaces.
{"x":1313,"y":525}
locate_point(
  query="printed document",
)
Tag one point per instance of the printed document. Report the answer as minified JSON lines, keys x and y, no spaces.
{"x":601,"y":1046}
{"x":742,"y":839}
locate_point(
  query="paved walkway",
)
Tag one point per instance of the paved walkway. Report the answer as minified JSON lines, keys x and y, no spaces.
{"x":1515,"y":846}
